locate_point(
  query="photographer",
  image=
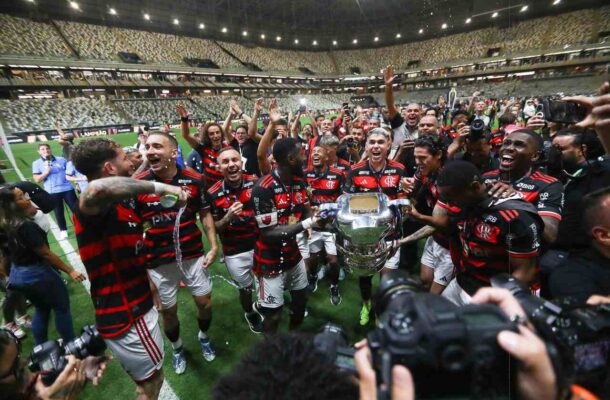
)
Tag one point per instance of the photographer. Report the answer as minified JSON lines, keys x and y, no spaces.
{"x":351,"y":146}
{"x":478,"y":152}
{"x":535,"y":375}
{"x":18,"y":383}
{"x":588,"y":274}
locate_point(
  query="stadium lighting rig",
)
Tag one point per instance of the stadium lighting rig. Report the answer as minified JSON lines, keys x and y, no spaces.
{"x":296,"y":41}
{"x":494,"y":15}
{"x":74,"y":5}
{"x":315,"y":43}
{"x":376,"y":39}
{"x":112,"y":11}
{"x":468,"y":20}
{"x":201,"y":26}
{"x":335,"y":43}
{"x":444,"y":26}
{"x":147,"y":17}
{"x":524,"y":8}
{"x":176,"y":21}
{"x":398,"y":35}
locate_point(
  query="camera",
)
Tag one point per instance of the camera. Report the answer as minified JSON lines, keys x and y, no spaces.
{"x":451,"y":351}
{"x":351,"y":143}
{"x":49,"y":358}
{"x":563,"y":111}
{"x":477,"y":129}
{"x":578,"y":333}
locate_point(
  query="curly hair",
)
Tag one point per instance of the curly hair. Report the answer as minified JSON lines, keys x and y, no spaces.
{"x":205,"y":137}
{"x":287,"y":367}
{"x":90,"y":155}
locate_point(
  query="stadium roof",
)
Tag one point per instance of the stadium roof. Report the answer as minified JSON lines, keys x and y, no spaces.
{"x":300,"y":24}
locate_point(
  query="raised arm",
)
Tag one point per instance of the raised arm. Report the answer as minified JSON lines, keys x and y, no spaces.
{"x":227,"y":128}
{"x":388,"y":80}
{"x":61,"y":134}
{"x":252,"y":124}
{"x":102,"y":193}
{"x":314,"y":126}
{"x":184,"y":126}
{"x":598,"y":116}
{"x":265,"y":143}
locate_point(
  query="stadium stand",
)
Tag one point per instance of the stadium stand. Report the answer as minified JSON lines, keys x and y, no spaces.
{"x":26,"y":37}
{"x":41,"y":114}
{"x":20,"y":36}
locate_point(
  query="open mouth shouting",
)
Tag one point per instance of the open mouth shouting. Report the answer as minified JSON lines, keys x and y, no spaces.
{"x":506,"y":161}
{"x":376,"y":155}
{"x":154,"y":161}
{"x":233,"y":173}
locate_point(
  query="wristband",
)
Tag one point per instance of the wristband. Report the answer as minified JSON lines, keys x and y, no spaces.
{"x":184,"y":119}
{"x":159,"y":188}
{"x":307,"y":223}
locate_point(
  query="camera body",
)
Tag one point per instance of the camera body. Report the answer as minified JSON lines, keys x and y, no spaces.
{"x":477,"y":129}
{"x":49,"y":358}
{"x":579,"y":334}
{"x":451,"y":351}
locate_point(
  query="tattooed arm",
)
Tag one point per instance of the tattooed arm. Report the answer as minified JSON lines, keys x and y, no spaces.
{"x":102,"y":193}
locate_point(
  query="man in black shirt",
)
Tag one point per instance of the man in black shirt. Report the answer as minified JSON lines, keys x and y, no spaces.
{"x":478,"y":152}
{"x":580,"y":176}
{"x":588,"y":274}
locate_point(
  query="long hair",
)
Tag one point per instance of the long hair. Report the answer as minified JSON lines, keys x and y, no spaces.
{"x":205,"y":137}
{"x":11,"y":217}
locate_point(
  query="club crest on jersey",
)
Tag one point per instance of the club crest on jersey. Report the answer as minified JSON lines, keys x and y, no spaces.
{"x":389,"y":181}
{"x":266,"y":220}
{"x":330,"y":185}
{"x":483,"y":231}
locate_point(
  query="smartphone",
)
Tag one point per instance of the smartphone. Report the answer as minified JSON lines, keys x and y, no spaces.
{"x":564,"y":112}
{"x":302,"y":109}
{"x":345,"y":106}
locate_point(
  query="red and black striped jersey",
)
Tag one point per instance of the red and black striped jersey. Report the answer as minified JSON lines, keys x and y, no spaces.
{"x":239,"y":236}
{"x":427,"y":191}
{"x":159,"y":222}
{"x":343,"y":165}
{"x":110,"y":248}
{"x":543,"y":191}
{"x":363,"y":179}
{"x":277,"y":204}
{"x":483,"y":242}
{"x":210,"y":166}
{"x":325,"y":187}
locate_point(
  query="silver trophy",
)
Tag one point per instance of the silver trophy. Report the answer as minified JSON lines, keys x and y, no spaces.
{"x":363,"y":222}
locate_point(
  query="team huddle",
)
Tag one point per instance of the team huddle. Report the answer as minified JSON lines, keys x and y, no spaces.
{"x":139,"y":236}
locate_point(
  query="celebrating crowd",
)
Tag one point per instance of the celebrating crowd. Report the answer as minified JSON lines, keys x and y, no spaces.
{"x":530,"y":198}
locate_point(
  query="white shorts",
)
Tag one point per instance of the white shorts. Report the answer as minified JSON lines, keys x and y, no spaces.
{"x":140,"y":349}
{"x":271,"y":288}
{"x":392,"y":262}
{"x":438,"y":258}
{"x":303,"y":246}
{"x":319,"y":239}
{"x":167,"y":279}
{"x":240,"y":268}
{"x":456,"y":294}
